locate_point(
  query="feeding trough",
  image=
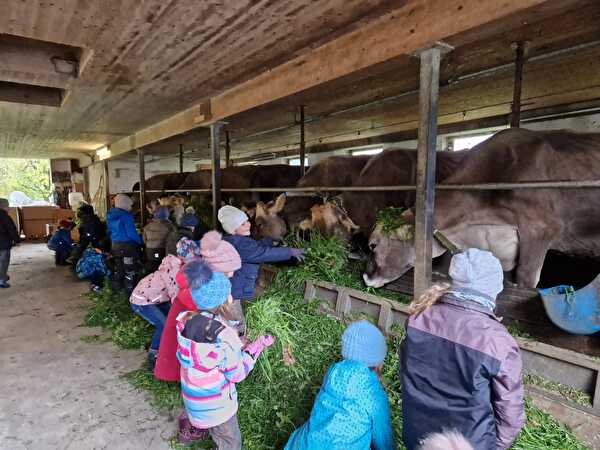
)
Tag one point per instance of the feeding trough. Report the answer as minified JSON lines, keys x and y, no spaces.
{"x":575,"y":311}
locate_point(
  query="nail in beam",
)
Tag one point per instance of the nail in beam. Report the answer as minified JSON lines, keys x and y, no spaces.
{"x":428,"y":108}
{"x":142,"y":168}
{"x":215,"y":149}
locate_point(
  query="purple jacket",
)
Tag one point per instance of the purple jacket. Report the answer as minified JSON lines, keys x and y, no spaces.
{"x":461,"y":370}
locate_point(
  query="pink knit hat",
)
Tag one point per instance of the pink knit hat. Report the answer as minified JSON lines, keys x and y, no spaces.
{"x":218,"y":254}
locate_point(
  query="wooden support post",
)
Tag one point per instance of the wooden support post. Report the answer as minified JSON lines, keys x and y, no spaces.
{"x":142,"y":168}
{"x":302,"y":142}
{"x":428,"y":107}
{"x":215,"y":149}
{"x":227,"y":149}
{"x":515,"y":116}
{"x":106,"y":185}
{"x":180,"y":158}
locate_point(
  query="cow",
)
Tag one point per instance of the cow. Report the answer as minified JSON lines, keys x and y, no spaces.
{"x":334,"y":171}
{"x":357,"y":211}
{"x":518,"y":226}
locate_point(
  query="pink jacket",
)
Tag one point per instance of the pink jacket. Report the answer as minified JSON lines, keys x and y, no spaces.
{"x":159,"y":286}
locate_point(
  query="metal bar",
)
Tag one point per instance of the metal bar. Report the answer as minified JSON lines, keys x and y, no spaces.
{"x":215,"y":149}
{"x":515,"y":116}
{"x":227,"y":149}
{"x":142,"y":168}
{"x":302,"y":142}
{"x":180,"y":158}
{"x":403,"y":187}
{"x":428,"y":108}
{"x":106,"y":185}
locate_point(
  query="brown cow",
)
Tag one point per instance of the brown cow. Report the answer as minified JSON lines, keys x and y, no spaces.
{"x":518,"y":226}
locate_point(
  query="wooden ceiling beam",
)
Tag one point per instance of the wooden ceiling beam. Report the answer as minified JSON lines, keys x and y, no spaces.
{"x":417,"y":24}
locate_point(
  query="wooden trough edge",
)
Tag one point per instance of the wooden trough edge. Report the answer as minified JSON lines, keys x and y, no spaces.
{"x":559,"y":365}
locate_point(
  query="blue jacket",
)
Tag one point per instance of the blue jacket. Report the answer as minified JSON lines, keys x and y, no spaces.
{"x":61,"y":239}
{"x":351,"y":412}
{"x":253,"y":253}
{"x":121,"y":227}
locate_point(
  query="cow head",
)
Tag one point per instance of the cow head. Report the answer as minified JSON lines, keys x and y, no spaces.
{"x":331,"y":220}
{"x":267,"y":223}
{"x":392,"y":252}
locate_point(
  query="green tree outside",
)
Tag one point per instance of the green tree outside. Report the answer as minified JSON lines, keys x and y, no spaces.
{"x":30,"y":176}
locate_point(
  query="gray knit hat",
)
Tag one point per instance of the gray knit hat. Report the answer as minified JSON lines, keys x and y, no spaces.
{"x":477,"y":271}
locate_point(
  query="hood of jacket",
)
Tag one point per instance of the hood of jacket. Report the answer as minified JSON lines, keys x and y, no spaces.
{"x":115,"y":214}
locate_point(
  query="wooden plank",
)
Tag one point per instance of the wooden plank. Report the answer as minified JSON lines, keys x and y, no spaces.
{"x":215,"y":148}
{"x":415,"y":25}
{"x":142,"y":171}
{"x":515,"y":116}
{"x":426,"y":148}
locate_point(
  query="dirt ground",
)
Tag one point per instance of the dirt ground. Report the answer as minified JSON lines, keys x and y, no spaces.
{"x":56,"y":391}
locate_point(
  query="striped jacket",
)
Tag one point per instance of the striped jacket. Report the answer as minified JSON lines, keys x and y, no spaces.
{"x":209,"y":372}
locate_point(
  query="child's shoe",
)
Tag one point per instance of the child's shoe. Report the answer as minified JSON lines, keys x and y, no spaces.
{"x":188,"y":434}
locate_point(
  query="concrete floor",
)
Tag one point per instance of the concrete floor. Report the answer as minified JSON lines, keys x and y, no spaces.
{"x":57,"y":392}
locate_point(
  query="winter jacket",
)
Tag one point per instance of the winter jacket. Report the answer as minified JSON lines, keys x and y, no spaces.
{"x":60,"y":240}
{"x":210,"y":367}
{"x":167,"y":366}
{"x":8,"y":232}
{"x":461,"y":369}
{"x":173,"y":238}
{"x":351,"y":412}
{"x":91,"y":231}
{"x":121,"y":227}
{"x":159,"y":286}
{"x":253,"y":253}
{"x":156,"y":232}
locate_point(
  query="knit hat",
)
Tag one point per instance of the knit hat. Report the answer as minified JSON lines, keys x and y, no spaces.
{"x":64,"y":223}
{"x":209,"y":289}
{"x":231,"y":218}
{"x":85,"y":209}
{"x":4,"y":203}
{"x":477,"y":272}
{"x":188,"y":249}
{"x":162,"y":213}
{"x":123,"y":201}
{"x":362,"y":341}
{"x":220,"y":255}
{"x":189,"y":220}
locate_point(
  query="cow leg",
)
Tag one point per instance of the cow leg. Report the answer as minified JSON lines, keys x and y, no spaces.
{"x":532,"y":252}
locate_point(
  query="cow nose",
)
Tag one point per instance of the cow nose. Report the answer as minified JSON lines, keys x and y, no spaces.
{"x":372,"y":245}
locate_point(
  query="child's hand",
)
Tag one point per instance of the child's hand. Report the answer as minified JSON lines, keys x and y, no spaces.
{"x":257,"y":347}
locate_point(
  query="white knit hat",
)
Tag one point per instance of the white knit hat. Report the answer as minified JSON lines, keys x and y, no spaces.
{"x":477,"y":270}
{"x":231,"y":218}
{"x":123,"y":201}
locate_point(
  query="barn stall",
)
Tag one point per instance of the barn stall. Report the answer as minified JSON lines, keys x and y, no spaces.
{"x":492,"y":65}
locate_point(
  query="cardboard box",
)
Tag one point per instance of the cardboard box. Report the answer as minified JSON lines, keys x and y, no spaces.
{"x":38,"y":213}
{"x":35,"y":228}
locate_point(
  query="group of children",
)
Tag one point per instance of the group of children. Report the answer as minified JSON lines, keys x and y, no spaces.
{"x":460,"y":368}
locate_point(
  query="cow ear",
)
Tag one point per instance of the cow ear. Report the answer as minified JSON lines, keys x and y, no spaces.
{"x":279,"y":204}
{"x":408,"y":216}
{"x":261,"y":210}
{"x":250,"y":212}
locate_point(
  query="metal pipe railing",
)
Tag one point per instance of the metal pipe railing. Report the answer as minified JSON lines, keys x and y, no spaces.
{"x":402,"y":187}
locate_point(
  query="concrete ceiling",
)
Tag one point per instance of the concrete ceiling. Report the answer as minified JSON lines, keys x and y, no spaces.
{"x":145,"y":61}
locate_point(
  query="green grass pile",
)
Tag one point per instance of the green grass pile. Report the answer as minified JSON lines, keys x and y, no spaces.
{"x":277,"y":397}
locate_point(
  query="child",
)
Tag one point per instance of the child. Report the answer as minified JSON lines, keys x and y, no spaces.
{"x":126,"y":243}
{"x":155,"y":236}
{"x":253,"y":253}
{"x":61,"y":243}
{"x":351,"y":411}
{"x":186,"y":227}
{"x":212,"y":360}
{"x":475,"y":385}
{"x":167,"y":365}
{"x":152,"y":297}
{"x":177,"y":203}
{"x":9,"y":236}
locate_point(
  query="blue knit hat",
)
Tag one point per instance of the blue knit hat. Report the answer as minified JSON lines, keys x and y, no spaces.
{"x":212,"y":293}
{"x":162,"y":213}
{"x":362,"y":341}
{"x":189,"y":220}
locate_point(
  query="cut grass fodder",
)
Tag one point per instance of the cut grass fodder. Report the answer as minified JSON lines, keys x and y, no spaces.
{"x":567,"y":392}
